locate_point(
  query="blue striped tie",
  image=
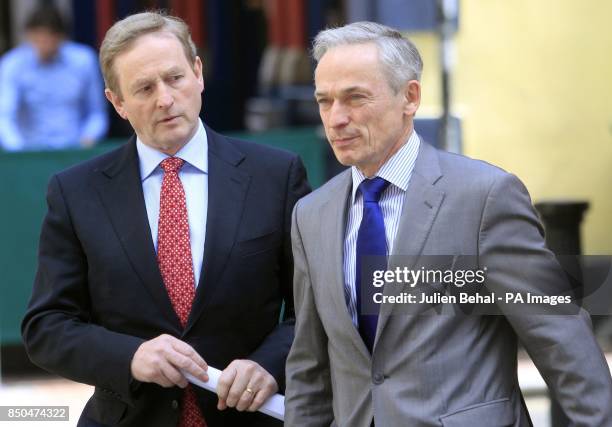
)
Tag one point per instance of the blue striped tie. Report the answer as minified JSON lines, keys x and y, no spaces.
{"x":371,"y":242}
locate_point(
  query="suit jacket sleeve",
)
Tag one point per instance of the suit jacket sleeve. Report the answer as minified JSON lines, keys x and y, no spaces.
{"x":272,"y":353}
{"x":562,"y":346}
{"x":308,"y":401}
{"x":60,"y":306}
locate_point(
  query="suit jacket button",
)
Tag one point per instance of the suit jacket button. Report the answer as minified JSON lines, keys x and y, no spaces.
{"x":175,"y":404}
{"x":379,"y":378}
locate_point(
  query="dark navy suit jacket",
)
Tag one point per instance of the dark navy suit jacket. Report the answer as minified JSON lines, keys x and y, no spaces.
{"x":98,"y":292}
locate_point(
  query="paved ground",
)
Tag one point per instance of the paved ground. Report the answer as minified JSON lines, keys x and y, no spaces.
{"x":46,"y":391}
{"x":39,"y":392}
{"x":61,"y":392}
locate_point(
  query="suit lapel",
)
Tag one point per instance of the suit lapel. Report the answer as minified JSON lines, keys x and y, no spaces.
{"x":227,"y":189}
{"x":336,"y":208}
{"x":421,"y":204}
{"x":120,"y":189}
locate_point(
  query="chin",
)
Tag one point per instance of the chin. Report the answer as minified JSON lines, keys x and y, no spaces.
{"x":345,"y":161}
{"x":174,"y":137}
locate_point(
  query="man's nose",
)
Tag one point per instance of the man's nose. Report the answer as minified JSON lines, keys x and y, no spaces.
{"x":339,"y":115}
{"x":164,"y":97}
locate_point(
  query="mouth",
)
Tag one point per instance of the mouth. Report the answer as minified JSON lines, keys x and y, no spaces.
{"x":168,"y":120}
{"x":345,"y":140}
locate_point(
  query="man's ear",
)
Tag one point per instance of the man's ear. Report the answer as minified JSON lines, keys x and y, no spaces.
{"x":412,"y":95}
{"x":117,"y":102}
{"x":198,"y":70}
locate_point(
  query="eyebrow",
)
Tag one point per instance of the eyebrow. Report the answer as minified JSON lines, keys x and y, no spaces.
{"x":344,"y":91}
{"x":173,"y":70}
{"x":145,"y":80}
{"x":140,"y":83}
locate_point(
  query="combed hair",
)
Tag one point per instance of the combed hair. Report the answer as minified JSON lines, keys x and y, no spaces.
{"x":122,"y":34}
{"x":399,"y":56}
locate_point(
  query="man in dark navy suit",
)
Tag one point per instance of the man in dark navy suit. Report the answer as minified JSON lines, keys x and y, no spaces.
{"x":167,"y":254}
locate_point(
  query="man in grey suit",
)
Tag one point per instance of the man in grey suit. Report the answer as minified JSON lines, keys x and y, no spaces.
{"x":394,"y":368}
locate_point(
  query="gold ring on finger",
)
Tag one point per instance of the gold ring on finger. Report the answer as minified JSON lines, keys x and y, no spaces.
{"x":248,"y":390}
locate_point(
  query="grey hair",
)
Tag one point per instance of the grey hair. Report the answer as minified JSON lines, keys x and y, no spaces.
{"x":399,"y":56}
{"x":122,"y":35}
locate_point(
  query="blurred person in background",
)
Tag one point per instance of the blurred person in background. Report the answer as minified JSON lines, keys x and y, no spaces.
{"x":51,"y":91}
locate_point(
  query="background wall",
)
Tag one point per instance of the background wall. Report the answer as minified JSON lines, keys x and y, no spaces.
{"x":533,"y":86}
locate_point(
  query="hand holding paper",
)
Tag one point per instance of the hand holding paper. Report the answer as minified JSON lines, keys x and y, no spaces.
{"x":161,"y":360}
{"x":274,"y":406}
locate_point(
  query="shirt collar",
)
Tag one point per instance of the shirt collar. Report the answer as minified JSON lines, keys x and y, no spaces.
{"x":195,"y":153}
{"x":397,"y":170}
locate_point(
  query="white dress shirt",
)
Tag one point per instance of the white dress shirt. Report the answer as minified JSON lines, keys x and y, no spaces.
{"x":194,"y":177}
{"x":397,"y":170}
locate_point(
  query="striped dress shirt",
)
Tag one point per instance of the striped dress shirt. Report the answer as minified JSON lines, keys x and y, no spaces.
{"x":397,"y":170}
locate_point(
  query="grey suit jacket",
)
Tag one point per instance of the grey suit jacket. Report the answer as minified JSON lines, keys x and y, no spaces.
{"x":434,"y":370}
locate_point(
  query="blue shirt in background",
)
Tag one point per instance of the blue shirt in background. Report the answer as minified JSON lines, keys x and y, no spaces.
{"x":51,"y":105}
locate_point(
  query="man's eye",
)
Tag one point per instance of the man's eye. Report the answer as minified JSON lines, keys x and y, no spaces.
{"x":144,"y":89}
{"x":177,"y":77}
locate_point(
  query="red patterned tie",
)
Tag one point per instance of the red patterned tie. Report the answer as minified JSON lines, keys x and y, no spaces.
{"x":175,"y":264}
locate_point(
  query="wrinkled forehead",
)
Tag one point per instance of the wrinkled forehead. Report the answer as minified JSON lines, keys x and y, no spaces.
{"x":367,"y":50}
{"x":349,"y":66}
{"x":146,"y":43}
{"x":149,"y":51}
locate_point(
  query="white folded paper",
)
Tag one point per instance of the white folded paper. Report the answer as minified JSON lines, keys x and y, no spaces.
{"x":274,"y":406}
